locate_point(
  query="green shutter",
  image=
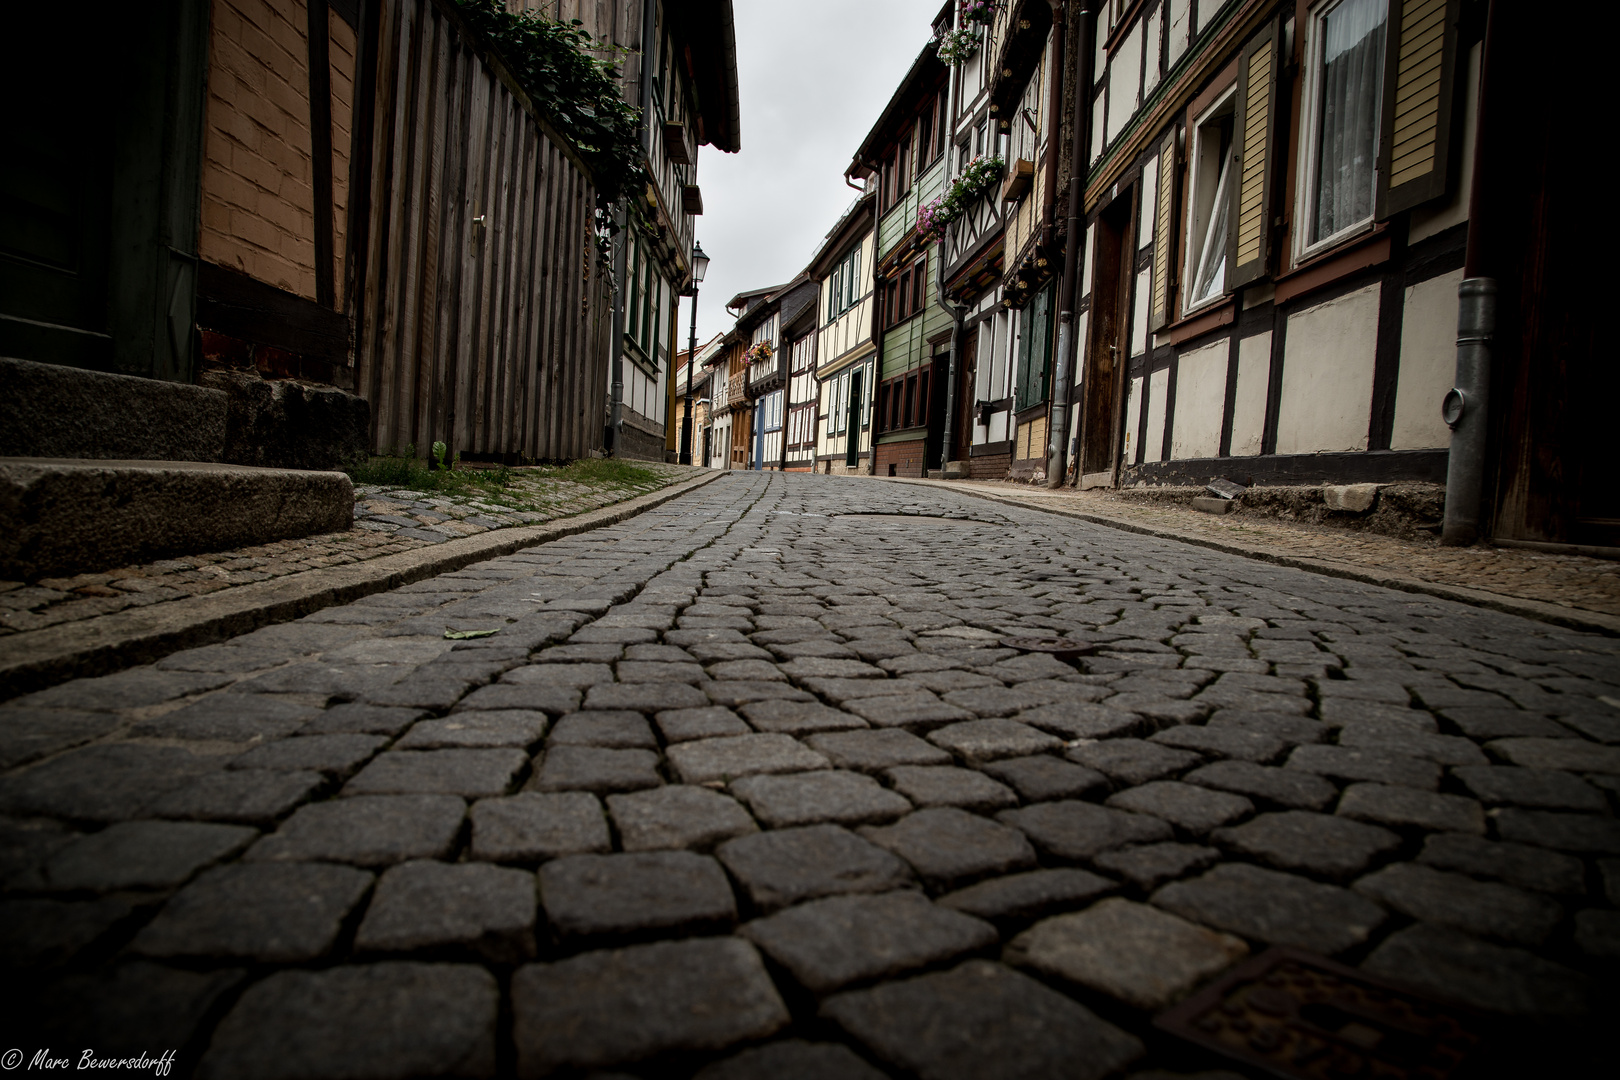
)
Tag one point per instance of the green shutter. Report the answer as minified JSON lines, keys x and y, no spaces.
{"x":1042,"y":357}
{"x":1026,"y":332}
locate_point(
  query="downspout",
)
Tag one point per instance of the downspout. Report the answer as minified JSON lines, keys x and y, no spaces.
{"x":616,"y":330}
{"x":877,"y":358}
{"x":1466,"y":407}
{"x":956,"y":310}
{"x":1057,"y":446}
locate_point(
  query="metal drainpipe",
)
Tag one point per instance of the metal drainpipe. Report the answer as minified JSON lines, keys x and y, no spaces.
{"x":1466,"y":407}
{"x":953,"y":103}
{"x":1057,"y":445}
{"x":616,"y":331}
{"x":877,"y":368}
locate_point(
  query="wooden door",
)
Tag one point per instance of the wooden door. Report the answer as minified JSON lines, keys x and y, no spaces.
{"x":852,"y":434}
{"x":967,"y":358}
{"x":1102,"y":389}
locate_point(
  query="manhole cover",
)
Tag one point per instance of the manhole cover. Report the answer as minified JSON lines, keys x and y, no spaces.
{"x":1299,"y":1015}
{"x":1062,"y":648}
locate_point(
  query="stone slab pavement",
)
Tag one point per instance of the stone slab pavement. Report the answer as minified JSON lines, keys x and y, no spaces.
{"x":748,"y":786}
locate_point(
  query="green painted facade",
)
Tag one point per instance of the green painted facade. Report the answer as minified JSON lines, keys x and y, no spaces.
{"x":906,"y":346}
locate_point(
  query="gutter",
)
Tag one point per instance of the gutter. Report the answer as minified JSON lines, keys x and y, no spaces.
{"x":1057,"y":444}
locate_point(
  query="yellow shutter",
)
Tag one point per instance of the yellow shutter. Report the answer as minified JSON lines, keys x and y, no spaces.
{"x":1163,"y":249}
{"x":1248,"y":251}
{"x":1418,"y":75}
{"x":1251,"y":220}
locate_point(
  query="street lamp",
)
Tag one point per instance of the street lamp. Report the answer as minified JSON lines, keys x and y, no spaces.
{"x":700,"y":266}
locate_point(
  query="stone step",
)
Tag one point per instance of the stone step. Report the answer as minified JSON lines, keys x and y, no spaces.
{"x":64,"y":516}
{"x":50,"y":411}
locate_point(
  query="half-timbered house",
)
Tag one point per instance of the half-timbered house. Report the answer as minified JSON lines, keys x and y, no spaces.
{"x":799,"y":314}
{"x":903,"y":156}
{"x":687,"y":92}
{"x":1277,"y":215}
{"x":843,"y":370}
{"x":973,"y":253}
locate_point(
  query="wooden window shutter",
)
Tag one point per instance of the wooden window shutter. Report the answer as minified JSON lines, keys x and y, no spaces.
{"x":1163,"y":247}
{"x":1419,"y":74}
{"x":1026,"y":334}
{"x":1248,"y":239}
{"x":1042,"y":349}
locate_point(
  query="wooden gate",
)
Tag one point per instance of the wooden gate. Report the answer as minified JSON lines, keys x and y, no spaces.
{"x":484,"y":311}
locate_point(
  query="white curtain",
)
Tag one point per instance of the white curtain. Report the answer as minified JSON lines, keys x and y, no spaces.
{"x":1210,"y":279}
{"x":1351,"y":97}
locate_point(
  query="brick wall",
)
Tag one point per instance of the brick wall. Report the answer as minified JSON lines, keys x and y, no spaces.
{"x":906,"y":457}
{"x":257,"y":186}
{"x":989,"y":467}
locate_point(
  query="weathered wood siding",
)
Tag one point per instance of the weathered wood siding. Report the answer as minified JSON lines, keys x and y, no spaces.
{"x":484,"y":319}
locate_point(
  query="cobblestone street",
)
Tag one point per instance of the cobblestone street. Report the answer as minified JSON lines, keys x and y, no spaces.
{"x":750,"y":785}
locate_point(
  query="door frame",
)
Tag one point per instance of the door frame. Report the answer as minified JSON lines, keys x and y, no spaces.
{"x":1108,"y":336}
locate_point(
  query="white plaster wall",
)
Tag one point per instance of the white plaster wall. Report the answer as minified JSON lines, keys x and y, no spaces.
{"x":1098,"y":110}
{"x":1133,"y":413}
{"x":1328,"y":375}
{"x":1437,"y":217}
{"x":1077,"y":365}
{"x":1085,"y":273}
{"x":1200,"y":402}
{"x":1153,"y":439}
{"x":1206,"y":12}
{"x":1428,"y":363}
{"x":1150,"y":59}
{"x":1139,"y":312}
{"x":1180,"y":24}
{"x":1249,"y":404}
{"x":1124,"y":75}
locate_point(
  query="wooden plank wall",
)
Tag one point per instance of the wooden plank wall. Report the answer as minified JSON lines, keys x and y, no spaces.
{"x":484,"y":318}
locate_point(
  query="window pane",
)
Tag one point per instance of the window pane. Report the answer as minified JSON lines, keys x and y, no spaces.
{"x":1352,"y":70}
{"x":1210,"y":278}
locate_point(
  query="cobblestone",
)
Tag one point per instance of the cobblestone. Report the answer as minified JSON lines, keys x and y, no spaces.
{"x":1133,"y":952}
{"x":828,"y":944}
{"x":275,"y":913}
{"x":694,"y":698}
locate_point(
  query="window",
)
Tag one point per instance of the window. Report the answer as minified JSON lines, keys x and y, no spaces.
{"x":843,"y":284}
{"x":1343,"y":98}
{"x":919,"y":285}
{"x":903,"y":169}
{"x":1209,"y":204}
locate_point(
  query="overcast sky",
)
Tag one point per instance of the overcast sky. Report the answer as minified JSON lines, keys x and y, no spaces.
{"x":814,"y":76}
